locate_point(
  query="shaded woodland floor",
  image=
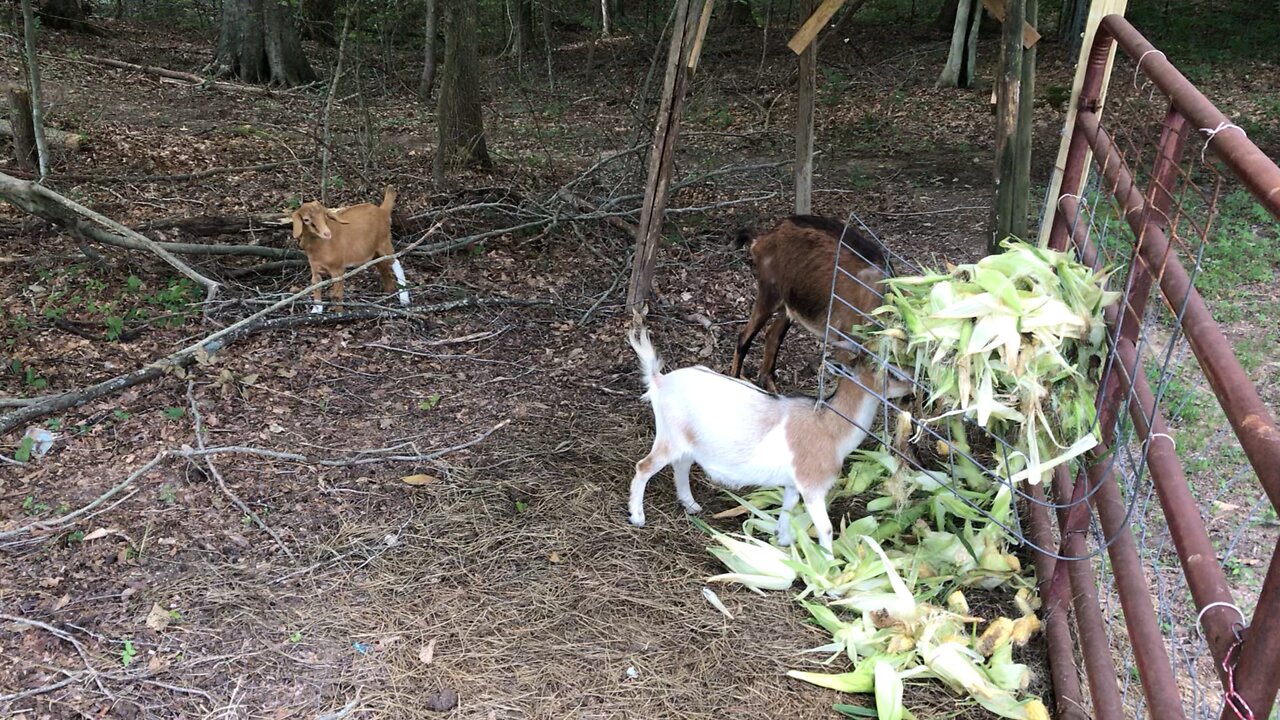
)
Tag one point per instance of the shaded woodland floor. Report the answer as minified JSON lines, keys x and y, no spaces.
{"x":508,"y":574}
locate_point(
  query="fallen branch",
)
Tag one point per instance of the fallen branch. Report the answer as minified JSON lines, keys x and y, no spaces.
{"x":170,"y":177}
{"x":59,"y":524}
{"x":217,"y":476}
{"x":212,"y":225}
{"x":253,"y":325}
{"x":40,"y":200}
{"x":66,"y":140}
{"x":195,"y":80}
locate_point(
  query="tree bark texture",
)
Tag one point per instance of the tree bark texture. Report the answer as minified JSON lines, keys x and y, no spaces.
{"x":1012,"y":189}
{"x":522,"y":33}
{"x":963,"y":55}
{"x":33,"y":78}
{"x":427,"y":82}
{"x":319,"y":20}
{"x":662,"y":154}
{"x":806,"y":87}
{"x":23,"y":129}
{"x":68,"y":15}
{"x":459,"y":109}
{"x":258,"y":43}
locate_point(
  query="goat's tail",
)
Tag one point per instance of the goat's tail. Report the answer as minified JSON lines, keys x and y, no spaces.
{"x":389,"y":196}
{"x":650,"y":363}
{"x":744,"y":238}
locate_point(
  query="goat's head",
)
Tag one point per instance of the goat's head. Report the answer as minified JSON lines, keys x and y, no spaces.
{"x":314,"y":218}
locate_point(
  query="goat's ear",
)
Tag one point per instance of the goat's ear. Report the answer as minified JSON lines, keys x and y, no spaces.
{"x":297,"y":224}
{"x":336,"y":217}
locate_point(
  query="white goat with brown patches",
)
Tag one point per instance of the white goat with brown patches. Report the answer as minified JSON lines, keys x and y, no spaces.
{"x":742,"y":436}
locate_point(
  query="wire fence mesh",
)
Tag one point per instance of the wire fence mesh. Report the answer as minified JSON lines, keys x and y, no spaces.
{"x":1230,"y":247}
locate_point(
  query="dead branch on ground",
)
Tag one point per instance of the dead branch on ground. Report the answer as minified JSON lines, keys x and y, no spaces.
{"x":39,"y":200}
{"x":217,"y":476}
{"x":46,"y":405}
{"x":195,"y":80}
{"x":60,"y":524}
{"x":65,"y":140}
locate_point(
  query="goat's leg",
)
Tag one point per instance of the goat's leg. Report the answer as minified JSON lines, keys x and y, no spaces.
{"x":648,"y":467}
{"x":786,"y":536}
{"x":766,"y":305}
{"x":815,"y":503}
{"x":772,"y":342}
{"x":681,"y":468}
{"x":393,"y":279}
{"x":316,"y":307}
{"x":337,"y":291}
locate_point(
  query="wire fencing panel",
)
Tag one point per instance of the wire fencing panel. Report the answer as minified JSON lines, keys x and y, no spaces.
{"x":1174,"y":515}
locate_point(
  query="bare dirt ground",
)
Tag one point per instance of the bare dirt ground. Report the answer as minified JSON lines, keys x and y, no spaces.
{"x":509,"y":574}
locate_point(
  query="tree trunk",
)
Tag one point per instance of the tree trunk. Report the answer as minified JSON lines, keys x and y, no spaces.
{"x":67,"y":15}
{"x":738,"y":12}
{"x":319,"y":20}
{"x":428,"y":81}
{"x":1071,"y":24}
{"x":946,"y":19}
{"x":23,"y":128}
{"x":522,"y":18}
{"x":805,"y":90}
{"x":458,"y":112}
{"x":962,"y":57}
{"x":604,"y":18}
{"x":33,"y":77}
{"x":258,"y":43}
{"x":1009,"y":216}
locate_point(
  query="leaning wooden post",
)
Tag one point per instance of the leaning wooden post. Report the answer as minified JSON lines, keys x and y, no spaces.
{"x":1010,"y":212}
{"x":1098,"y":9}
{"x":807,"y":86}
{"x":803,"y":44}
{"x":1022,"y":136}
{"x":662,"y":154}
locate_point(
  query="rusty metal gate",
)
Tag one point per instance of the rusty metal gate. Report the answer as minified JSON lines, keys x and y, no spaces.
{"x":1139,"y":631}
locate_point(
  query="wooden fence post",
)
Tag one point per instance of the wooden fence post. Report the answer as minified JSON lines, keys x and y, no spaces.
{"x":1010,"y":212}
{"x":662,"y":154}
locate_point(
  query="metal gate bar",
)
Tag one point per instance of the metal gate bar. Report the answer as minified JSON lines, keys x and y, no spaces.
{"x":1255,"y":650}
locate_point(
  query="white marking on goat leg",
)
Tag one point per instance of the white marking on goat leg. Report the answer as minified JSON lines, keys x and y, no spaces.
{"x":815,"y":503}
{"x":315,"y":309}
{"x":404,"y":284}
{"x":683,"y":492}
{"x":786,"y":535}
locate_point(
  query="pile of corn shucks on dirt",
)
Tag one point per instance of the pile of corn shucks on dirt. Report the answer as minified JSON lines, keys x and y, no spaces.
{"x":1012,"y":344}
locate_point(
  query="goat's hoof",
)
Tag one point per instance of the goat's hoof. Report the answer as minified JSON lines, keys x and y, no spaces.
{"x":637,"y":520}
{"x":317,"y":309}
{"x":693,"y":508}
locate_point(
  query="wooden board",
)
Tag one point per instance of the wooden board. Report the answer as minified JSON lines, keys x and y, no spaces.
{"x":811,"y":27}
{"x":1098,"y":9}
{"x":1029,"y":34}
{"x":702,"y":34}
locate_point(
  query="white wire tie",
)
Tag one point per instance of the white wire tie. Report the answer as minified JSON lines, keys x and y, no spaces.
{"x":1166,"y":436}
{"x":1213,"y":132}
{"x":1212,"y":605}
{"x":1138,"y":69}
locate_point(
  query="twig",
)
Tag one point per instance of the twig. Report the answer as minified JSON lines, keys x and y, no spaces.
{"x":62,"y":522}
{"x":328,"y":111}
{"x":43,"y":688}
{"x":344,"y":711}
{"x":217,"y":476}
{"x":195,"y":80}
{"x":64,"y":635}
{"x":36,"y":199}
{"x":957,"y":208}
{"x":180,"y":359}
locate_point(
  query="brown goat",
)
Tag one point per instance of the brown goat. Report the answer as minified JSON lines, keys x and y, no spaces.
{"x":335,"y":240}
{"x":793,"y":264}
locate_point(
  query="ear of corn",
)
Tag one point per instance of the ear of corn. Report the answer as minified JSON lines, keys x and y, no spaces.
{"x":1012,"y":343}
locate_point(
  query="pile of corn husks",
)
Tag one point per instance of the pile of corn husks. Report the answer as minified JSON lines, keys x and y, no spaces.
{"x":1010,"y":344}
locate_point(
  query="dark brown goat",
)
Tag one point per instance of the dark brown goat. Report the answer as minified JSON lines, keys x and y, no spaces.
{"x":794,"y":263}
